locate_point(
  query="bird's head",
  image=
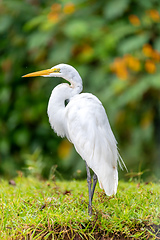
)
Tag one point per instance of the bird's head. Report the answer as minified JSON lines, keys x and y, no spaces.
{"x":61,"y":70}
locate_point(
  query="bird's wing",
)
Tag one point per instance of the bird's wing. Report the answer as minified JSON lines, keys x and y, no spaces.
{"x":88,"y":129}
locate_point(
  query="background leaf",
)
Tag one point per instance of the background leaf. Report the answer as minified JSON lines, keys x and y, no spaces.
{"x":115,"y":8}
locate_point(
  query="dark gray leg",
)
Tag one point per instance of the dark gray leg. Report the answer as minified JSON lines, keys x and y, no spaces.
{"x":94,"y":185}
{"x":91,"y":192}
{"x":89,"y":181}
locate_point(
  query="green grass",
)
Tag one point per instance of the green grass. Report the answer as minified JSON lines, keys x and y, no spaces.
{"x":34,"y":209}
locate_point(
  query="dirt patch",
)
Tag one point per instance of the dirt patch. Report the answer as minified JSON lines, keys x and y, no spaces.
{"x":155,"y":229}
{"x":68,"y":233}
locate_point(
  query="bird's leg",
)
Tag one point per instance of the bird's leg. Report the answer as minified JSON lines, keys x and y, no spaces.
{"x":94,"y":185}
{"x":89,"y":181}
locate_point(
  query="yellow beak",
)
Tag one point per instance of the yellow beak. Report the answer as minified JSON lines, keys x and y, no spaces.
{"x":43,"y":72}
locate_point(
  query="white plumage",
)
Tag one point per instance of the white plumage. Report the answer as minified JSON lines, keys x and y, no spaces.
{"x":84,"y":122}
{"x":93,"y":138}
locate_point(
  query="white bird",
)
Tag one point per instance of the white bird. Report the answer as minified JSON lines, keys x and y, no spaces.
{"x":84,"y":122}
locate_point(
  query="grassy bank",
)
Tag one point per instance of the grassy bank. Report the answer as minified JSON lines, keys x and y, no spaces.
{"x":33,"y":209}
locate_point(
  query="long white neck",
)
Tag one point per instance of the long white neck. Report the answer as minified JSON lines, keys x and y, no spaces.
{"x":56,"y":105}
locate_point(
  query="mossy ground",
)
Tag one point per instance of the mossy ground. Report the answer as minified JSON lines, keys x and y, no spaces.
{"x":34,"y":209}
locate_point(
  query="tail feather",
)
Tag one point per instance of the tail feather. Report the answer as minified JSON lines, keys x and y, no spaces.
{"x":121,"y":162}
{"x":104,"y":163}
{"x":110,"y":183}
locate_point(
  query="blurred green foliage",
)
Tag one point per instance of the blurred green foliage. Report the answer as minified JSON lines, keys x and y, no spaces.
{"x":115,"y":46}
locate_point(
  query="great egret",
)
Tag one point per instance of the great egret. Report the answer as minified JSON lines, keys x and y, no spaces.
{"x":84,"y":122}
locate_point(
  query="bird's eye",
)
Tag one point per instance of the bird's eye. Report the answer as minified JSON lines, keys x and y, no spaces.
{"x":58,"y":70}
